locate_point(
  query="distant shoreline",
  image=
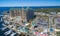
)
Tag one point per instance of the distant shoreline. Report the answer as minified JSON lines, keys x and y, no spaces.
{"x":33,"y":7}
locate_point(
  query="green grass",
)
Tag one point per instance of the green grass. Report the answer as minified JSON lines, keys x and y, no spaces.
{"x":58,"y":33}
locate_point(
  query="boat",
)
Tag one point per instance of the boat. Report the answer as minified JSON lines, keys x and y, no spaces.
{"x":12,"y":34}
{"x":8,"y":32}
{"x":4,"y":28}
{"x":3,"y":24}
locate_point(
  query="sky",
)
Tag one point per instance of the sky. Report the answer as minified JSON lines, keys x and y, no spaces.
{"x":9,"y":3}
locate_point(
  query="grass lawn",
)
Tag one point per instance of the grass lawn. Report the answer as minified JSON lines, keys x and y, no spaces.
{"x":58,"y":33}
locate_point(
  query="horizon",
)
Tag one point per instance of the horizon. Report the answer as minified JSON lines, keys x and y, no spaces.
{"x":17,"y":3}
{"x":29,"y":6}
{"x":33,"y":7}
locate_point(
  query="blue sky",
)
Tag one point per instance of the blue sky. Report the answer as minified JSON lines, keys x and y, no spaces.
{"x":8,"y":3}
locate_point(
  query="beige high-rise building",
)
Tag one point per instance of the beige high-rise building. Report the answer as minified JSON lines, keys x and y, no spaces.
{"x":23,"y":14}
{"x":14,"y":12}
{"x":5,"y":13}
